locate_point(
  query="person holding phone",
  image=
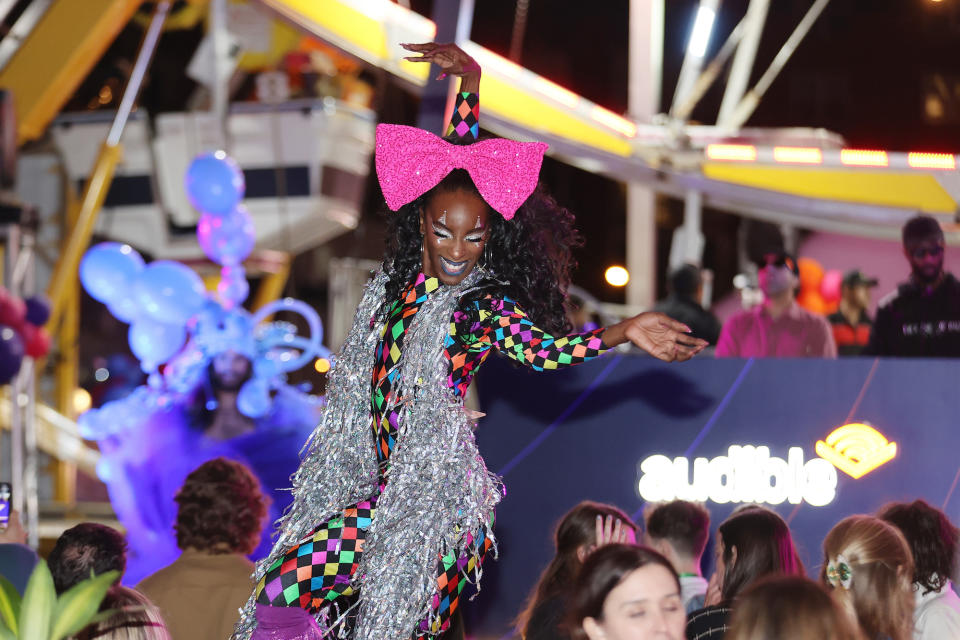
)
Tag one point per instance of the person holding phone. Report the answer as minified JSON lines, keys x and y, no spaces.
{"x":17,"y":560}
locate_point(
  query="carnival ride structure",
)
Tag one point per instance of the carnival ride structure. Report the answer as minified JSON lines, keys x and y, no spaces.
{"x":802,"y":177}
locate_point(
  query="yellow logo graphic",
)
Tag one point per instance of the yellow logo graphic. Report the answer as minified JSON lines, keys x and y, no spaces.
{"x":856,"y":449}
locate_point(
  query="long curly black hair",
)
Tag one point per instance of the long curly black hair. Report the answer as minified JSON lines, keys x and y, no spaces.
{"x":529,"y":256}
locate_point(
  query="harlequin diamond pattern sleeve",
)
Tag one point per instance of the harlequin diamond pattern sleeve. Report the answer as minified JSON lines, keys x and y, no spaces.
{"x":465,"y":121}
{"x":512,"y":332}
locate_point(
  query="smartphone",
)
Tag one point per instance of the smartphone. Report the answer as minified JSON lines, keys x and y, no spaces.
{"x":6,"y":494}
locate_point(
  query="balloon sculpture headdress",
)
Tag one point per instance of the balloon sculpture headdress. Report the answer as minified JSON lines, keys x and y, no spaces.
{"x":176,"y":328}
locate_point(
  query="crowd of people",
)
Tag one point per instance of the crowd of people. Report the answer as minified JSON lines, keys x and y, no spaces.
{"x":880,"y":577}
{"x":920,"y":319}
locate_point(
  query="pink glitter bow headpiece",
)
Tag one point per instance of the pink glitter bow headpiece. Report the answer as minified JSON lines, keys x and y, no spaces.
{"x":412,"y":161}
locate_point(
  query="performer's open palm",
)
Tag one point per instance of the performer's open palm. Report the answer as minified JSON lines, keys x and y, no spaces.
{"x":449,"y":57}
{"x":662,"y":337}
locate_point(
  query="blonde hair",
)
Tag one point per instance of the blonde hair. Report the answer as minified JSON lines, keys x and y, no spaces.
{"x":134,"y":618}
{"x":789,"y":608}
{"x":878,"y":594}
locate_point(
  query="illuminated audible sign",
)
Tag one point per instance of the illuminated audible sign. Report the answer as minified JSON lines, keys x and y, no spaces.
{"x":856,"y":449}
{"x":745,"y":474}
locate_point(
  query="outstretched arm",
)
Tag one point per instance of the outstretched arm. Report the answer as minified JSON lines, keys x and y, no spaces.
{"x":514,"y":334}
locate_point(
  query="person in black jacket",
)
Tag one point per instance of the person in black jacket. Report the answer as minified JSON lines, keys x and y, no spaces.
{"x":684,"y":287}
{"x":922,"y":317}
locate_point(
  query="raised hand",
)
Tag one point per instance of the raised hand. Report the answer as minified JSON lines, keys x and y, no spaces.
{"x":451,"y":59}
{"x":610,"y":530}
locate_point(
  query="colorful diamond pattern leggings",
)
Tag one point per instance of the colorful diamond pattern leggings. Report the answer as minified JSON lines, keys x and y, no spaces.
{"x":317,"y":571}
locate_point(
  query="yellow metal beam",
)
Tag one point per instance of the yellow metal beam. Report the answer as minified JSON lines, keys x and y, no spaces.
{"x":274,"y":280}
{"x":915,"y":191}
{"x":57,"y":55}
{"x":67,"y":365}
{"x":370,"y":34}
{"x":65,"y":273}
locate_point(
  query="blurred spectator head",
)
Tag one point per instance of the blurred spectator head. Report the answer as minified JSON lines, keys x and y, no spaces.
{"x":574,"y":539}
{"x":627,"y":592}
{"x":868,"y":566}
{"x":685,"y":281}
{"x":932,"y":538}
{"x":789,"y":608}
{"x":855,"y":288}
{"x":777,"y":273}
{"x":923,"y":245}
{"x":678,"y":529}
{"x":752,"y":543}
{"x":84,"y":549}
{"x":220,"y":509}
{"x":134,"y":617}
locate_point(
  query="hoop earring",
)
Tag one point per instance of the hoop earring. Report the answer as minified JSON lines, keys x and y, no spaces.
{"x":486,"y":254}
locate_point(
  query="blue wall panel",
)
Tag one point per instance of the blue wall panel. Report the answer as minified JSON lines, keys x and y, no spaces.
{"x":580,"y":433}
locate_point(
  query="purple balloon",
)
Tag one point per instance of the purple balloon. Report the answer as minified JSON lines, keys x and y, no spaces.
{"x":11,"y":353}
{"x":227,"y":239}
{"x":38,"y":310}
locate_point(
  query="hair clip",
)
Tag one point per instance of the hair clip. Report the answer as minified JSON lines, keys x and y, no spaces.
{"x":839,"y":572}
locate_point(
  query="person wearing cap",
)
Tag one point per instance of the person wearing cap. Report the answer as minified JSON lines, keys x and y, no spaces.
{"x":851,"y":324}
{"x":684,"y":288}
{"x":922,"y":317}
{"x":778,"y":328}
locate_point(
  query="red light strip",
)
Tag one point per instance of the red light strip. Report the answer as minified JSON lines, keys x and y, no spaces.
{"x":798,"y":155}
{"x":919,"y":160}
{"x":732,"y":152}
{"x":864,"y":158}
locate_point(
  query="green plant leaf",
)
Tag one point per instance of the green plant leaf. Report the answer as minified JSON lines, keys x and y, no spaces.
{"x":37,"y":605}
{"x":103,"y":616}
{"x":9,"y":605}
{"x":79,"y":604}
{"x":5,"y":633}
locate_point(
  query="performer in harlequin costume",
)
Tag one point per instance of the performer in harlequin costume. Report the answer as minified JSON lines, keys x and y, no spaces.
{"x":393,"y":506}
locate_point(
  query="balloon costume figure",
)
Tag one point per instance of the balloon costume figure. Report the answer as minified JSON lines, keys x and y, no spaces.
{"x":393,"y":505}
{"x":222,"y":389}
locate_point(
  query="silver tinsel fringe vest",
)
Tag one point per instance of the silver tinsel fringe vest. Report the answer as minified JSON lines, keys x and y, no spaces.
{"x":438,"y":488}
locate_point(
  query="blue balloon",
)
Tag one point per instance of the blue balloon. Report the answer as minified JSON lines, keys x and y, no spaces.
{"x":227,"y":239}
{"x":11,"y":353}
{"x":155,"y":342}
{"x":125,"y":309}
{"x":169,"y":292}
{"x":38,"y":310}
{"x":108,"y":270}
{"x":254,"y":398}
{"x":233,"y":287}
{"x":214,"y":183}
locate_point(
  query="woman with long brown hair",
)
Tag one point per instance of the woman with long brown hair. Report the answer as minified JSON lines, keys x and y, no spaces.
{"x":584,"y":528}
{"x":868,"y":566}
{"x":752,"y":543}
{"x":789,"y":608}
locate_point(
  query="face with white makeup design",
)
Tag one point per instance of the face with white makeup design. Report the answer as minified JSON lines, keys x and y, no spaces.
{"x":455,"y":228}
